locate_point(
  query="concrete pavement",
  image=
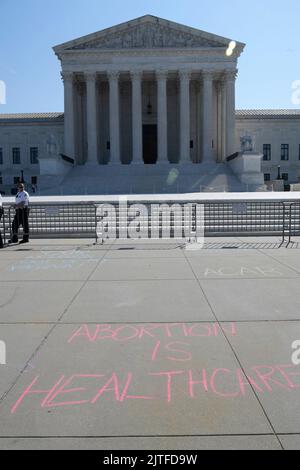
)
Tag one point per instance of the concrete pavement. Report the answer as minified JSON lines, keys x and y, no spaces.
{"x":147,"y":345}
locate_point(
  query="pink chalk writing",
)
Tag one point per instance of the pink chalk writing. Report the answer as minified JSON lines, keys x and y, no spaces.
{"x":167,"y":386}
{"x":169,"y":376}
{"x":127,"y":333}
{"x":177,"y":347}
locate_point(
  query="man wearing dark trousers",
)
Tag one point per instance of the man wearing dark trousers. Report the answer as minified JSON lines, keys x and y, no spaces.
{"x":21,"y":216}
{"x":1,"y":214}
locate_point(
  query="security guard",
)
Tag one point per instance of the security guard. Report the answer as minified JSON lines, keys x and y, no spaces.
{"x":21,"y":217}
{"x":1,"y":214}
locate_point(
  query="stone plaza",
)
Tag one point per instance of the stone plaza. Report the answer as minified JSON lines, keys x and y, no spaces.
{"x":149,"y":345}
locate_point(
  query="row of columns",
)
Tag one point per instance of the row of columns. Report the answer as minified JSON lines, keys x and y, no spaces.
{"x":226,"y":106}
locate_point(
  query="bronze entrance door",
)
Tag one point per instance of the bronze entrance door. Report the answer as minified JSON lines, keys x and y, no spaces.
{"x":150,"y":144}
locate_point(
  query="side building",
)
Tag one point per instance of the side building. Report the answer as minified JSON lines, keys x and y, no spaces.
{"x":277,"y":136}
{"x":24,"y":142}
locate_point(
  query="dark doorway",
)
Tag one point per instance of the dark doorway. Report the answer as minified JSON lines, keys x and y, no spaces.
{"x":150,"y":144}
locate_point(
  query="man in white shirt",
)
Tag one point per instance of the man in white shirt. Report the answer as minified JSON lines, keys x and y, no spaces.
{"x":1,"y":214}
{"x":21,"y":217}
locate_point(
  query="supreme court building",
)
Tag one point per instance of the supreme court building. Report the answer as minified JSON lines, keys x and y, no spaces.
{"x":140,"y":99}
{"x":149,"y":91}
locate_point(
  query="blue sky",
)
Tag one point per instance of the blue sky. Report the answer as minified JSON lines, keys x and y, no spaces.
{"x":30,"y":28}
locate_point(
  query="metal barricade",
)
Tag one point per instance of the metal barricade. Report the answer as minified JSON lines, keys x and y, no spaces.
{"x":163,"y":219}
{"x":243,"y":218}
{"x":291,"y":221}
{"x":2,"y":225}
{"x":60,"y":220}
{"x":216,"y":219}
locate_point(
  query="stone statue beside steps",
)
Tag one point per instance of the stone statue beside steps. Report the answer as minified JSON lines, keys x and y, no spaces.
{"x":52,"y":146}
{"x":247,"y":143}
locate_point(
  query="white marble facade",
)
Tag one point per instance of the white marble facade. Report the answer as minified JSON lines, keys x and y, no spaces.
{"x":149,"y":91}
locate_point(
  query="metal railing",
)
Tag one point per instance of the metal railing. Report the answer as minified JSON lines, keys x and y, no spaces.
{"x":67,"y":159}
{"x":2,"y":226}
{"x":232,"y":157}
{"x":291,"y":221}
{"x":216,"y":218}
{"x":240,"y":218}
{"x":243,"y":218}
{"x":56,"y":221}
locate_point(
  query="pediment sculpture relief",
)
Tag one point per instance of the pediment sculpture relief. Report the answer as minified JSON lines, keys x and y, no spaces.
{"x":148,"y":37}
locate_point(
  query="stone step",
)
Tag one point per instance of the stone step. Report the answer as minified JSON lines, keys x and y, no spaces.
{"x":148,"y":179}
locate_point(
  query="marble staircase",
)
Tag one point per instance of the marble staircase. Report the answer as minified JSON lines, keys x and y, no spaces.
{"x":145,"y":179}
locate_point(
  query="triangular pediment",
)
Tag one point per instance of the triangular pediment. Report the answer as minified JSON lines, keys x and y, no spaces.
{"x":148,"y":32}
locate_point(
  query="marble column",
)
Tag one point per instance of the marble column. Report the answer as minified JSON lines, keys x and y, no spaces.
{"x":223,"y":120}
{"x":162,"y":116}
{"x":219,"y":122}
{"x":69,"y":114}
{"x":207,"y":116}
{"x":114,"y":117}
{"x":230,"y":112}
{"x":137,"y":117}
{"x":185,"y":77}
{"x":199,"y":121}
{"x":92,"y":128}
{"x":79,"y":98}
{"x":221,"y":90}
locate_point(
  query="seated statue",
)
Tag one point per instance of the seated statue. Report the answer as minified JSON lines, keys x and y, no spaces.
{"x":247,"y":143}
{"x":52,"y":147}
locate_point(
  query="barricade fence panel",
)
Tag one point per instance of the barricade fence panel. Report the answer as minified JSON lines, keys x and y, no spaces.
{"x":170,"y":220}
{"x":243,"y":218}
{"x":291,"y":220}
{"x":2,"y":226}
{"x":57,"y":221}
{"x":165,"y":219}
